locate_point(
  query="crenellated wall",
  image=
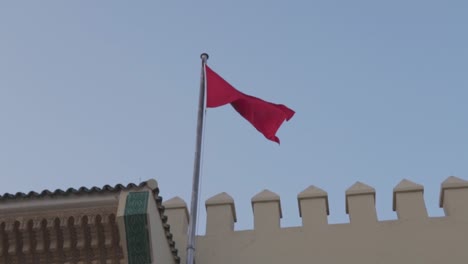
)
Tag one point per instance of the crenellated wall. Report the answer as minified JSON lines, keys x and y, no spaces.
{"x":412,"y":238}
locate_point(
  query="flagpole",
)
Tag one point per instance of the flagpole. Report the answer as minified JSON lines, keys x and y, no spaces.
{"x":196,"y":167}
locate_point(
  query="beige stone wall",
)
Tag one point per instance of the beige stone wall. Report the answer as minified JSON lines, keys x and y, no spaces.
{"x":413,"y":238}
{"x":159,"y":247}
{"x":177,"y":214}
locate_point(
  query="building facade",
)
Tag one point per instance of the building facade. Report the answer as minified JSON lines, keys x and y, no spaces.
{"x":130,"y":224}
{"x":111,"y":225}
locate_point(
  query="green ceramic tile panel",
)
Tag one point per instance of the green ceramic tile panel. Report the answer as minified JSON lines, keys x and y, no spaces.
{"x":136,"y":228}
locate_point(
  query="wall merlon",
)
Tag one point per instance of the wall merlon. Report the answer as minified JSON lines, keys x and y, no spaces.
{"x":408,"y":186}
{"x":454,"y":197}
{"x":220,"y":214}
{"x":451,"y":183}
{"x":408,"y":200}
{"x":176,"y":203}
{"x":265,"y":196}
{"x":222,"y":199}
{"x":178,"y":219}
{"x":360,"y":203}
{"x":360,"y":188}
{"x":313,"y":206}
{"x":177,"y":214}
{"x":266,"y":206}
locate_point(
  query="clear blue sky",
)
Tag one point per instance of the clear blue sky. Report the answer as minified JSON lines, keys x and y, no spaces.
{"x":105,"y":92}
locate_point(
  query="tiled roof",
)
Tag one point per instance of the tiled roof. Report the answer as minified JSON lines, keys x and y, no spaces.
{"x":81,"y":190}
{"x":105,"y":189}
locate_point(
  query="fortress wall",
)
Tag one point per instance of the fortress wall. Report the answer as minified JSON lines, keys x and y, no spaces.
{"x":412,"y":238}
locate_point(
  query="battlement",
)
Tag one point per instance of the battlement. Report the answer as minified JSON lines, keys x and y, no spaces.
{"x":363,"y":228}
{"x":408,"y":203}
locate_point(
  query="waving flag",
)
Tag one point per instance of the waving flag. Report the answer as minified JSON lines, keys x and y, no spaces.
{"x":266,"y":117}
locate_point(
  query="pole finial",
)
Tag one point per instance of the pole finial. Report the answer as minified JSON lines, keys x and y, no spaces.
{"x":204,"y":56}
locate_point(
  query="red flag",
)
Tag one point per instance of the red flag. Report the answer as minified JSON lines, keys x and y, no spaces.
{"x":266,"y":117}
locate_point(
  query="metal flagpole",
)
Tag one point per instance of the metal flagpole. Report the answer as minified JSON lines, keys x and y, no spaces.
{"x":196,"y":167}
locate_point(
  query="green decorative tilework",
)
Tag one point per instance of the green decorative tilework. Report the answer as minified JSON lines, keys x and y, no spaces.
{"x":136,"y":228}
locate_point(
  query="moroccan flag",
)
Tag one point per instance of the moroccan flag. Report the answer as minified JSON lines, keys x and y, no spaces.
{"x":266,"y":117}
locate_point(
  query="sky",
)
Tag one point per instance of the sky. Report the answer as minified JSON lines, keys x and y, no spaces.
{"x":106,"y":92}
